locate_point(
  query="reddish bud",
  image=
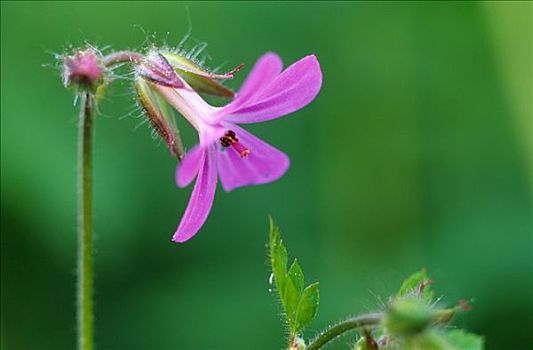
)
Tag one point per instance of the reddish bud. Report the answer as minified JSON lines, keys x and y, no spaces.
{"x":83,"y":69}
{"x":160,"y":117}
{"x":155,"y":68}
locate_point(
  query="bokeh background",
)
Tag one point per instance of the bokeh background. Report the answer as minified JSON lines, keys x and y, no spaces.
{"x":417,"y":153}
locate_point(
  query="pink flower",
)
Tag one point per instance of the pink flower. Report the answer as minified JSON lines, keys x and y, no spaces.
{"x":225,"y":149}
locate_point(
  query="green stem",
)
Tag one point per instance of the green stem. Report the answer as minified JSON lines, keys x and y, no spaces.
{"x":85,"y":239}
{"x":363,"y":321}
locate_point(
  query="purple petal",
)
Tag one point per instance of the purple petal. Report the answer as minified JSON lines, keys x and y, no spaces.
{"x":266,"y":69}
{"x":201,"y":198}
{"x":189,"y":166}
{"x":263,"y":164}
{"x":291,"y":90}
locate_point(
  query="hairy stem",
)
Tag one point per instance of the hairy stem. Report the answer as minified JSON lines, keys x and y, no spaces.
{"x":363,"y":321}
{"x":85,"y":239}
{"x":121,"y":57}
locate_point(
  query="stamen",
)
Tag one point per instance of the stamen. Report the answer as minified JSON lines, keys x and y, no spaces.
{"x":243,"y":151}
{"x":230,"y":139}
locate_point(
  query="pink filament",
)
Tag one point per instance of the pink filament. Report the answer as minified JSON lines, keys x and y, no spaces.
{"x":240,"y":149}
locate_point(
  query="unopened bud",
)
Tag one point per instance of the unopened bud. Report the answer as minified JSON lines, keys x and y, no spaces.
{"x":407,"y":316}
{"x":171,"y":69}
{"x":160,"y":117}
{"x":155,"y":68}
{"x":199,"y":78}
{"x":84,"y":70}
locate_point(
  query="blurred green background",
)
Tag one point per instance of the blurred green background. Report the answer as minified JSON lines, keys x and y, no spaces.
{"x":417,"y":153}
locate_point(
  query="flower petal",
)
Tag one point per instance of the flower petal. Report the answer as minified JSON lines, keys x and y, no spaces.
{"x":201,"y":198}
{"x":263,"y":164}
{"x":188,"y":168}
{"x":266,"y":69}
{"x":291,"y":90}
{"x":210,"y":134}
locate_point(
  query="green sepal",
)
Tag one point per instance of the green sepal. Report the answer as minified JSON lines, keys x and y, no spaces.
{"x":411,"y":286}
{"x":462,"y":340}
{"x":160,"y":117}
{"x":197,"y":77}
{"x":438,"y":339}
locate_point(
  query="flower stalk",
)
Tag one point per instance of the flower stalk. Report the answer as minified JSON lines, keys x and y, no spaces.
{"x":87,"y":71}
{"x":85,"y":238}
{"x":367,"y":321}
{"x":122,"y":57}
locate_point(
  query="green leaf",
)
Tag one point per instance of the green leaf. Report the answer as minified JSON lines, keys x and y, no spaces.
{"x":278,"y":259}
{"x":461,"y":340}
{"x":291,"y":297}
{"x":300,"y":305}
{"x":411,"y":286}
{"x":287,"y":288}
{"x":296,"y":275}
{"x":293,"y":289}
{"x":307,"y":307}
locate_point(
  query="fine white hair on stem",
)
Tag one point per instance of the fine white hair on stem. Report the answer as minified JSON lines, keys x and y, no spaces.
{"x":135,"y":113}
{"x":141,"y":123}
{"x":381,"y":303}
{"x":198,"y":48}
{"x":146,"y":41}
{"x":436,"y":301}
{"x":189,"y":29}
{"x":219,"y":67}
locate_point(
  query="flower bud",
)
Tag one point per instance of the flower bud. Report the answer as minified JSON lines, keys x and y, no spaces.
{"x":160,"y":117}
{"x":154,"y":67}
{"x":168,"y":68}
{"x":407,"y":317}
{"x":83,"y":70}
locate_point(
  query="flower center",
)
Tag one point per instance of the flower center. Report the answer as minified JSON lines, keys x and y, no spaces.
{"x":230,"y":139}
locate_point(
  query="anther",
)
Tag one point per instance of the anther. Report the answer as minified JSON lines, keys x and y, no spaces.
{"x":230,"y":139}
